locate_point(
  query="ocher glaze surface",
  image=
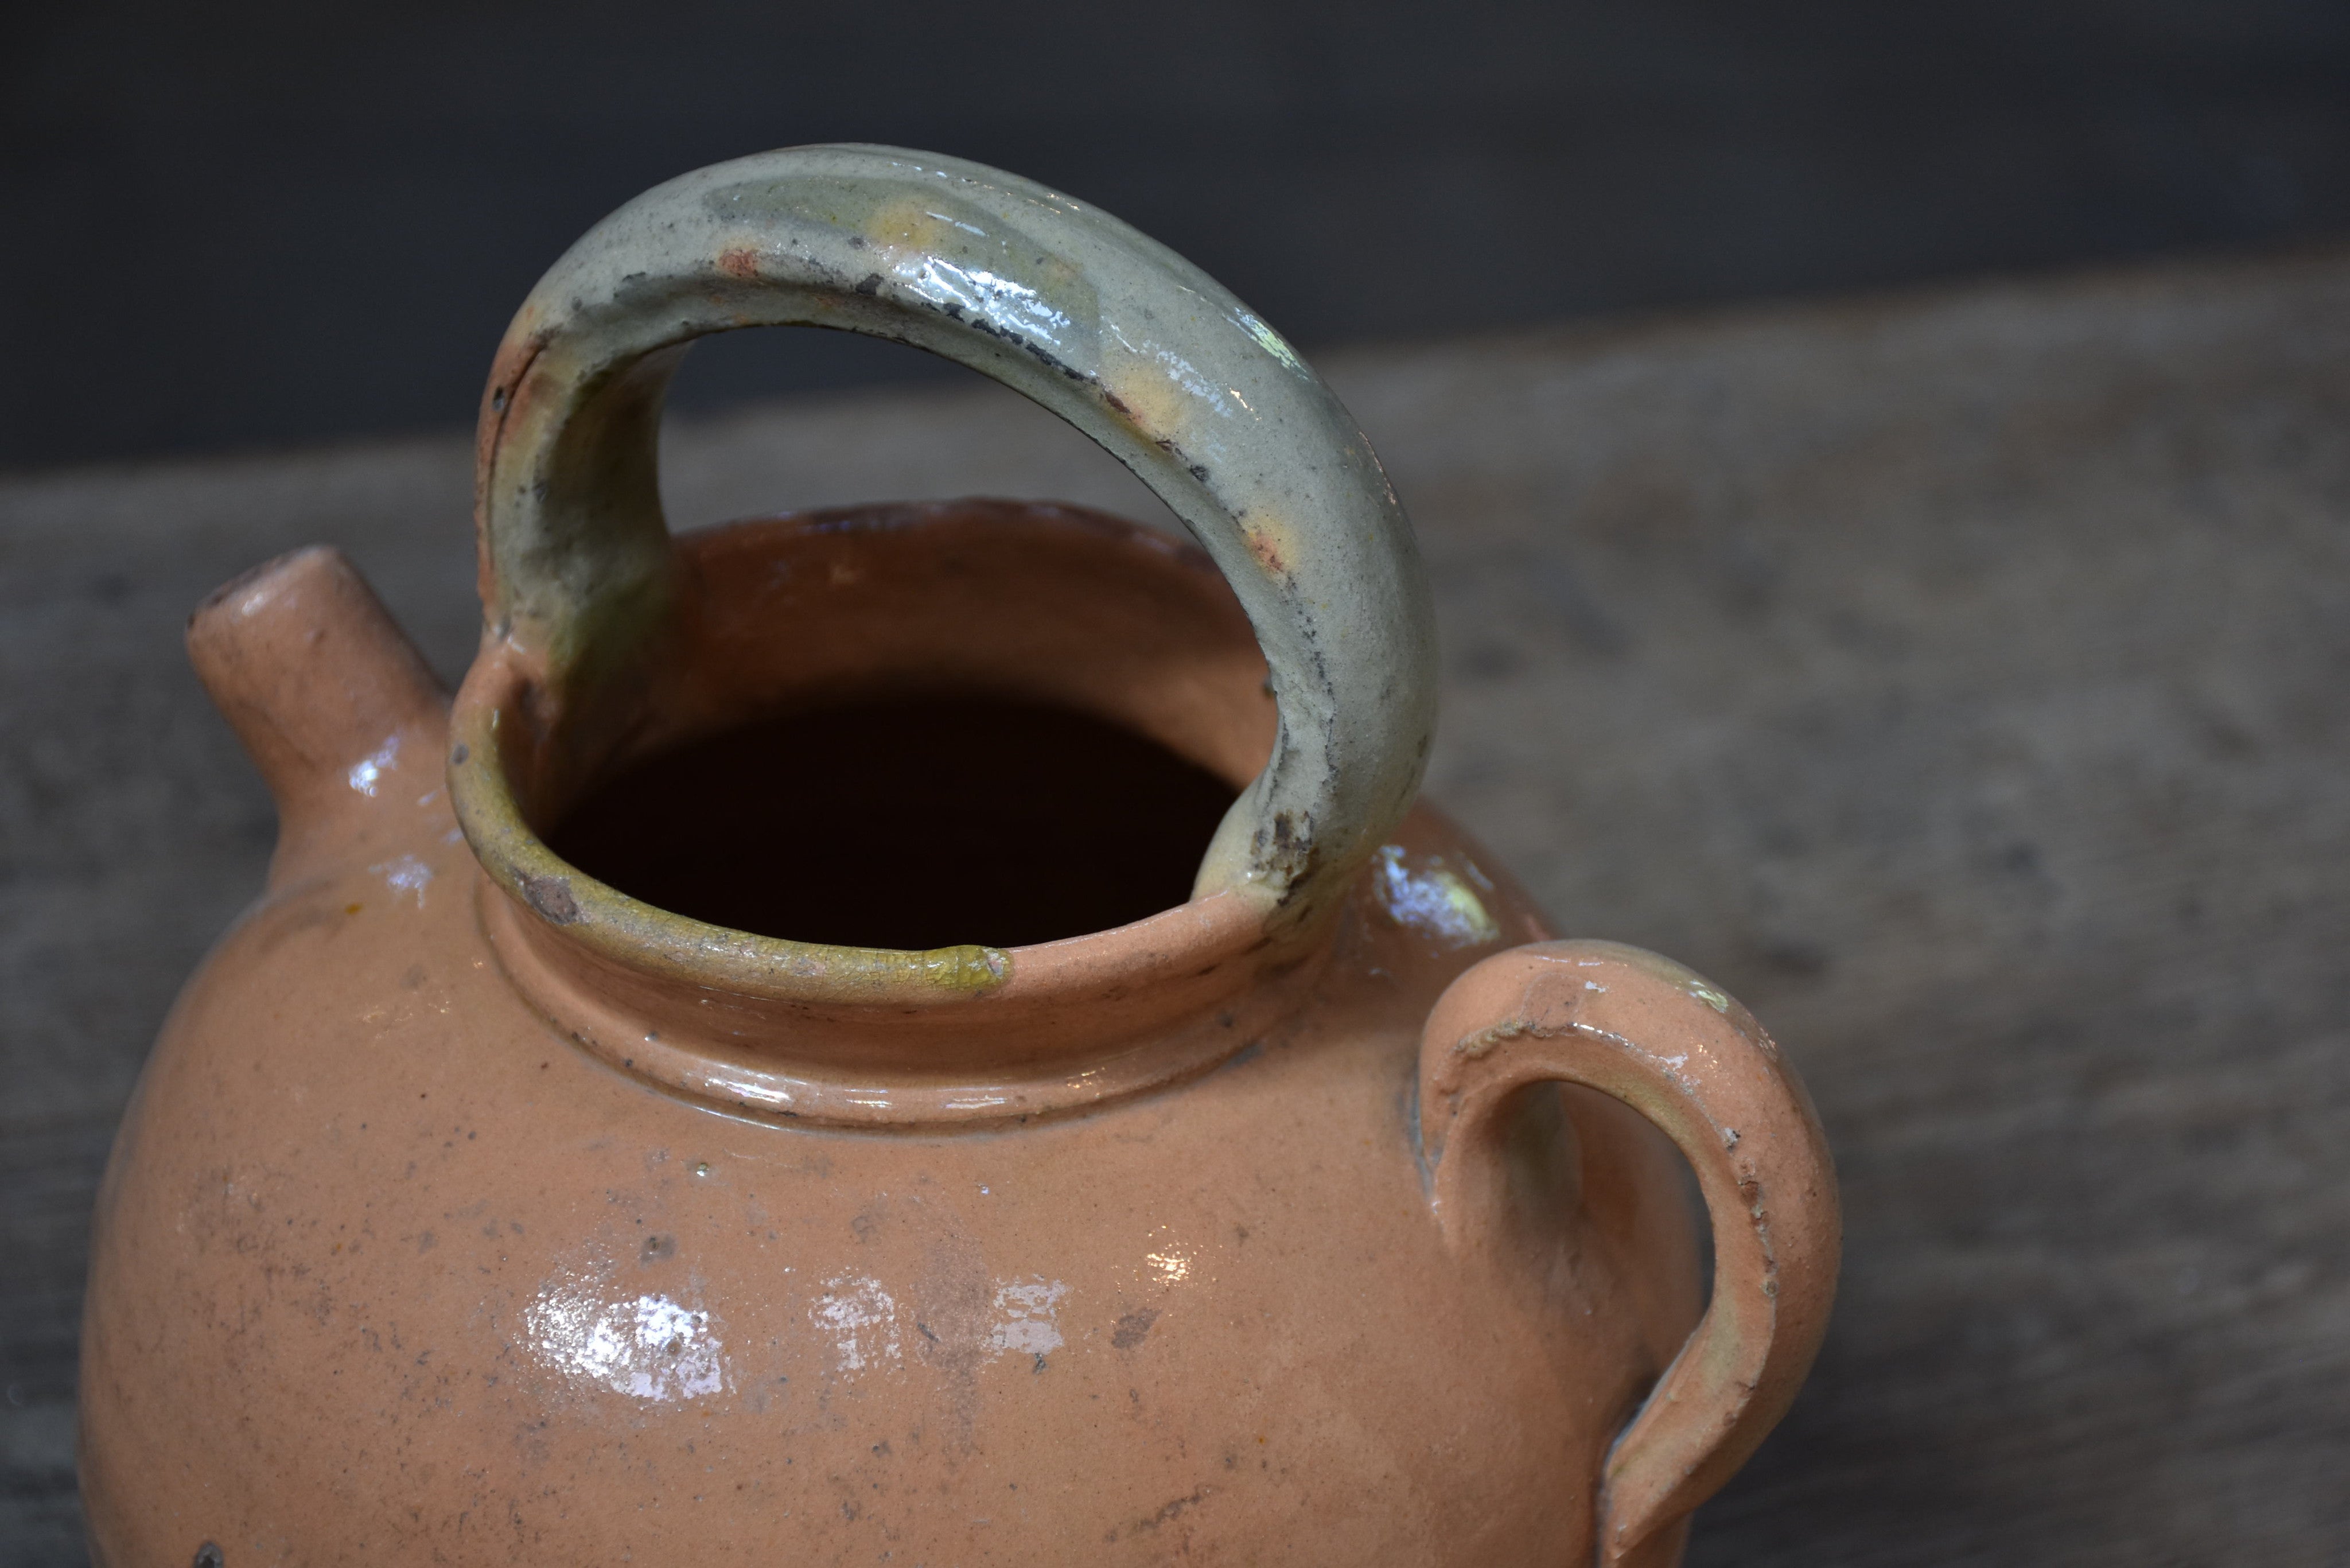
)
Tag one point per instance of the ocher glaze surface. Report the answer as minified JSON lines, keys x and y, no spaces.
{"x":474,"y":1210}
{"x":392,"y":1266}
{"x":415,"y":1289}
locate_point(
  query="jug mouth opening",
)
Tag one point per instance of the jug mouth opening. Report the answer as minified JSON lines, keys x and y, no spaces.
{"x":908,"y":818}
{"x":1017,"y":638}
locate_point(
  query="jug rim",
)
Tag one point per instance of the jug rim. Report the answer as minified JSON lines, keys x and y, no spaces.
{"x":773,"y":1026}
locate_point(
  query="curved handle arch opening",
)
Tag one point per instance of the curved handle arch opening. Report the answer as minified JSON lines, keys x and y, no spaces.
{"x":1106,"y":329}
{"x":1694,"y":1064}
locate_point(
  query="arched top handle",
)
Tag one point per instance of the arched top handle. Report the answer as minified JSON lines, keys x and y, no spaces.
{"x":1110,"y":331}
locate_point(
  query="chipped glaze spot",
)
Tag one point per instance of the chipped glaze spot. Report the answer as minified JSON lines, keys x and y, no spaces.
{"x":649,"y":1347}
{"x":1027,"y":1314}
{"x":859,"y":1318}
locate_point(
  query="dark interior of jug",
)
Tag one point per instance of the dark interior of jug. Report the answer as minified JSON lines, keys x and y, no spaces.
{"x":908,"y":726}
{"x":908,"y":821}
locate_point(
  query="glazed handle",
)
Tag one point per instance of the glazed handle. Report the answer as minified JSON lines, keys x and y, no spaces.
{"x":1114,"y":333}
{"x":1694,"y":1063}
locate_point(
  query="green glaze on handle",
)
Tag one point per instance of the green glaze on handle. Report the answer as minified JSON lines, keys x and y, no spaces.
{"x":1111,"y":331}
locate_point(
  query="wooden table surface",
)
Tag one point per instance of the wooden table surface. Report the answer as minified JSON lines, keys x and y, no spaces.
{"x":1963,"y":680}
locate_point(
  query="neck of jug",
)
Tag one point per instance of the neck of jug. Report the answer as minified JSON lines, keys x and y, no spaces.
{"x":1040,"y":604}
{"x":1069,"y":1025}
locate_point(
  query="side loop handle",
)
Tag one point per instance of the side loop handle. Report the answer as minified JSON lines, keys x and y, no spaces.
{"x":1695,"y":1063}
{"x":1114,"y":333}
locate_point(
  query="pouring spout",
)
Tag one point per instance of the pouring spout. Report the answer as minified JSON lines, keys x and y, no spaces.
{"x":334,"y":704}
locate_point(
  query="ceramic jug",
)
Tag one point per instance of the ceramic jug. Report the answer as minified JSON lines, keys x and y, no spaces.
{"x":476,"y":1209}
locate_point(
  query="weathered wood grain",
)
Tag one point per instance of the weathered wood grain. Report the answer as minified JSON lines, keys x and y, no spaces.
{"x":1963,"y":680}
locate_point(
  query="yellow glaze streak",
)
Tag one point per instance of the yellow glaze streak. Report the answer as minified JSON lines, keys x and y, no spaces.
{"x":1155,"y":403}
{"x":1273,"y":541}
{"x":909,"y":224}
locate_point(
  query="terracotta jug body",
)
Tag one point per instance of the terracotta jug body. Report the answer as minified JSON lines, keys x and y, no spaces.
{"x":474,"y":1210}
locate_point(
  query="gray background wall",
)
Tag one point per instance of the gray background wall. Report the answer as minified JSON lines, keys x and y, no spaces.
{"x":259,"y":222}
